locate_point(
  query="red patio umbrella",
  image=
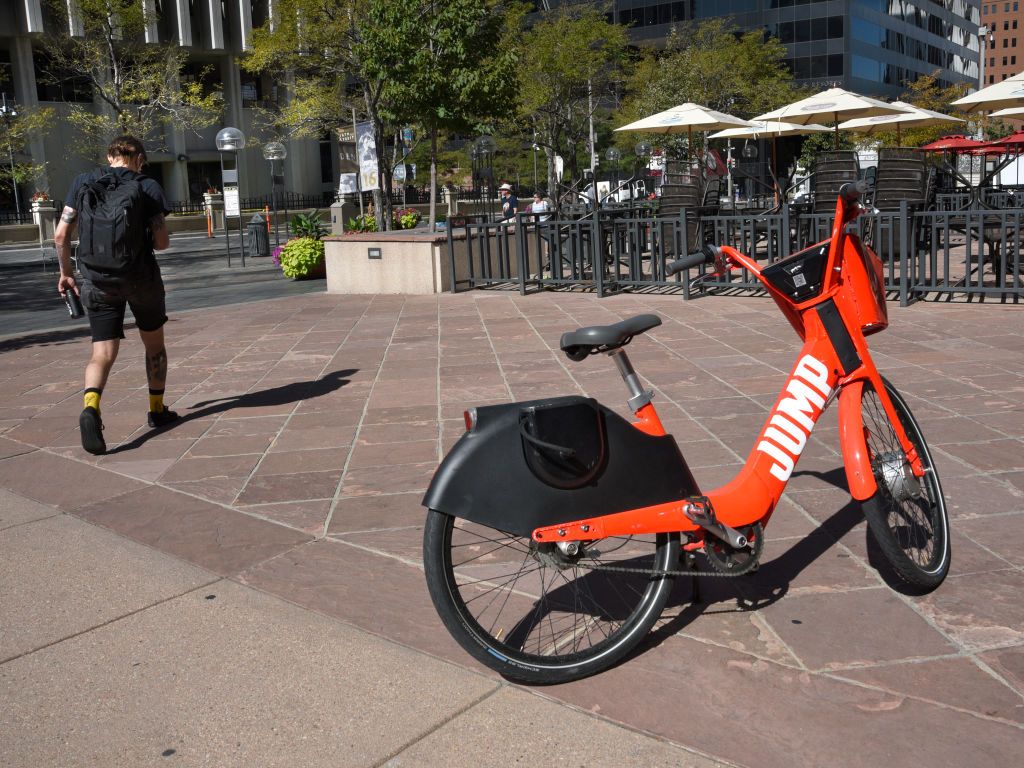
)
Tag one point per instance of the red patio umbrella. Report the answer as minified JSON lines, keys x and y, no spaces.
{"x":1014,"y":140}
{"x":952,"y":144}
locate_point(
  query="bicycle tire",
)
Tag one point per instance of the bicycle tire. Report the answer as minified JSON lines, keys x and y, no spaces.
{"x":909,"y":523}
{"x":538,"y":616}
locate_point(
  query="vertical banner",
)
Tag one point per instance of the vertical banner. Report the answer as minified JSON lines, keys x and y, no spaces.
{"x":366,"y":151}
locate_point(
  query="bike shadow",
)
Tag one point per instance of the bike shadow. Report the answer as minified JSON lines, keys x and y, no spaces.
{"x":753,"y":591}
{"x":282,"y":395}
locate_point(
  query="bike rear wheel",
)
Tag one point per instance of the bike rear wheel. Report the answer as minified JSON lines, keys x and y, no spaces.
{"x":535,"y":613}
{"x":906,"y":515}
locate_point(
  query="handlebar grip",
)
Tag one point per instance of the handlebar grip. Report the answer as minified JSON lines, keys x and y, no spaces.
{"x":687,"y":262}
{"x":851,"y":191}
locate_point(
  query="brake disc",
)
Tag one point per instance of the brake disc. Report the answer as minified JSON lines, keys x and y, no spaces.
{"x":725,"y":558}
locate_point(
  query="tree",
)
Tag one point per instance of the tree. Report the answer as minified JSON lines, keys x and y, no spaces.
{"x":925,"y":92}
{"x":137,"y":85}
{"x":571,"y":63}
{"x":446,"y":65}
{"x":15,"y":134}
{"x":710,"y":63}
{"x":318,"y":44}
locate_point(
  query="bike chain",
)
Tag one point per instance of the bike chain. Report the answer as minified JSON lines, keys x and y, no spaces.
{"x":648,"y":572}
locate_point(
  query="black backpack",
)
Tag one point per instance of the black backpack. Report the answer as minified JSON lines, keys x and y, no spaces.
{"x":113,"y":235}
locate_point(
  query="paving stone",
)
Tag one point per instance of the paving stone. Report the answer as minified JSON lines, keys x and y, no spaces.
{"x":979,"y":611}
{"x":697,"y":694}
{"x":61,"y":482}
{"x":17,"y":510}
{"x":239,"y":679}
{"x":363,"y":513}
{"x":517,"y":727}
{"x":955,"y":682}
{"x":61,"y":576}
{"x":211,"y":536}
{"x":266,"y":488}
{"x":377,"y":593}
{"x":841,"y":629}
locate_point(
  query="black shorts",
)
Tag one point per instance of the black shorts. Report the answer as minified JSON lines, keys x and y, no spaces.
{"x":106,"y":304}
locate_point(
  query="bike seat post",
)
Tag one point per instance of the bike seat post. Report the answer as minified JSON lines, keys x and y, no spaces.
{"x":639,"y":397}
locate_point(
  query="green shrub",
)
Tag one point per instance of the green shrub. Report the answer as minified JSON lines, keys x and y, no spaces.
{"x":308,"y":225}
{"x":405,"y":218}
{"x":301,"y":255}
{"x":365,"y":223}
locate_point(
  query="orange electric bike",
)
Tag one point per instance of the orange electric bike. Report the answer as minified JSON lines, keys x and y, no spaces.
{"x":555,"y":527}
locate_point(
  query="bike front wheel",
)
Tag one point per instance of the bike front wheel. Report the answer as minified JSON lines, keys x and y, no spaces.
{"x":906,"y":515}
{"x":540,"y":613}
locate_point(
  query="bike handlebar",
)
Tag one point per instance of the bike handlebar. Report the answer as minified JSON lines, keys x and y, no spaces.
{"x":851,"y":191}
{"x":687,"y":262}
{"x":707,"y":255}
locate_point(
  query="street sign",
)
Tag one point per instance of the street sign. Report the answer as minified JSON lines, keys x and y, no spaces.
{"x":231,"y":204}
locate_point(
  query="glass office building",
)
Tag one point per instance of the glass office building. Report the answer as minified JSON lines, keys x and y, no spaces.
{"x":869,"y":46}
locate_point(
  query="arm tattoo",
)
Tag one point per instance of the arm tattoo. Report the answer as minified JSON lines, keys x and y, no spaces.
{"x":68,"y":215}
{"x":157,"y":223}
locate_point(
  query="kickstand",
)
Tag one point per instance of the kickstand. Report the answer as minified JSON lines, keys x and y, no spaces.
{"x":691,"y":565}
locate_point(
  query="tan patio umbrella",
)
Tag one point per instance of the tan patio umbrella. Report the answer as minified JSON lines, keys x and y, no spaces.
{"x":830,"y":106}
{"x":1007,"y":93}
{"x":685,"y":117}
{"x":914,"y":116}
{"x":1017,"y":112}
{"x":762,"y":129}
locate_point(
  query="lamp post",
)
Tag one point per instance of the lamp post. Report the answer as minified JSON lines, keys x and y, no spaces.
{"x":642,"y":150}
{"x":229,"y":142}
{"x":749,"y":153}
{"x":535,"y":148}
{"x":486,"y":146}
{"x":8,"y":113}
{"x":613,"y":155}
{"x":275,"y":150}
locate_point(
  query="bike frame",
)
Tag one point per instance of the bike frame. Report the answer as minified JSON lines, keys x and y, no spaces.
{"x":833,"y":362}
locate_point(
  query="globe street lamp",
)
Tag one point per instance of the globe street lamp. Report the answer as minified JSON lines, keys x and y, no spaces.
{"x":229,"y":142}
{"x":642,"y":151}
{"x":272,"y":151}
{"x":8,"y":113}
{"x":612,"y":155}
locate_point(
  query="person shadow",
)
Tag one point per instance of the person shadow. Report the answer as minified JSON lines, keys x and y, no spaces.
{"x":282,"y":395}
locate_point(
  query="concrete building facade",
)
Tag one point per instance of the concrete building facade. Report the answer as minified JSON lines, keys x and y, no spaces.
{"x":215,"y":33}
{"x":1004,"y":44}
{"x":869,"y":46}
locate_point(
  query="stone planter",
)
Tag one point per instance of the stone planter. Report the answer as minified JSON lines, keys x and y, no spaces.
{"x":44,"y":215}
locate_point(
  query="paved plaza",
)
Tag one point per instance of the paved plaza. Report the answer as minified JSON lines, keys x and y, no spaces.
{"x":246,"y":587}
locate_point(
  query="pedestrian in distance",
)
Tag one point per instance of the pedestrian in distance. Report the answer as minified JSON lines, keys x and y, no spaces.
{"x":541,"y":206}
{"x":509,"y":202}
{"x":119,"y":217}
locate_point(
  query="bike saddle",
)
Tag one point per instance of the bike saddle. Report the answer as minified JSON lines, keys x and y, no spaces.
{"x":601,"y":338}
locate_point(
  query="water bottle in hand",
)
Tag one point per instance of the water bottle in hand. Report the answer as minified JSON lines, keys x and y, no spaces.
{"x":73,"y":303}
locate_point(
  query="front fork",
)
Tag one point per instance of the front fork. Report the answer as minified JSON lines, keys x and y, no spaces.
{"x":853,"y":438}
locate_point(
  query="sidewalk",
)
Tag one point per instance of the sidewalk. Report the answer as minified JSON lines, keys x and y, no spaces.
{"x":245,"y":588}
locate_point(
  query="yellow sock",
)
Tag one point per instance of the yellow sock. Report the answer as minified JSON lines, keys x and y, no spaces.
{"x":92,"y":398}
{"x":156,"y":401}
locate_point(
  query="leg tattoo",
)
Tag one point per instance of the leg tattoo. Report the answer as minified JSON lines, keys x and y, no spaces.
{"x":156,"y":368}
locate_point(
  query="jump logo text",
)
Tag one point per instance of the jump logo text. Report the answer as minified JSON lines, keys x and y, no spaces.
{"x":793,"y":418}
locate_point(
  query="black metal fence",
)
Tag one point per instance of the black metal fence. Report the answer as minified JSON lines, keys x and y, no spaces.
{"x":975,"y":254}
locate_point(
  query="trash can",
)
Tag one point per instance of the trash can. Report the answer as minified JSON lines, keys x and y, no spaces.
{"x":256,"y":235}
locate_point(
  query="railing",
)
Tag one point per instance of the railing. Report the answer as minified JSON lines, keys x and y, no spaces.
{"x":937,"y":254}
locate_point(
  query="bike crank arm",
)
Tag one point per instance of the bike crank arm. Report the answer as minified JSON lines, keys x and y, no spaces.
{"x":700,"y":512}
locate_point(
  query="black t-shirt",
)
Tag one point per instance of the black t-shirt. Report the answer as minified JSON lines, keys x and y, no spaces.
{"x":155,"y":201}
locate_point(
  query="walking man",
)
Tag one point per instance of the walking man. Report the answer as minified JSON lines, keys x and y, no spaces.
{"x":119,"y":216}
